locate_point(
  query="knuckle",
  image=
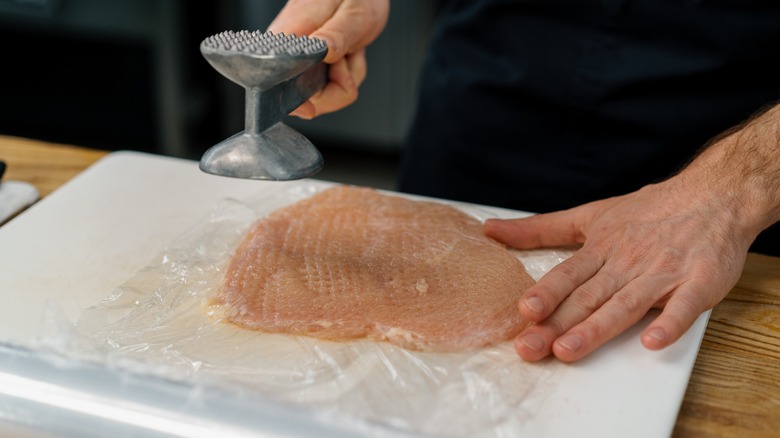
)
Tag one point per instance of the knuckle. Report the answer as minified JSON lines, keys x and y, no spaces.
{"x":684,"y":312}
{"x":674,"y":325}
{"x":544,"y":290}
{"x":629,"y":302}
{"x":669,"y":261}
{"x":554,"y":326}
{"x":689,"y":304}
{"x":705,"y":274}
{"x":635,"y":255}
{"x":354,"y":93}
{"x":587,"y":298}
{"x":569,"y":272}
{"x":591,"y":331}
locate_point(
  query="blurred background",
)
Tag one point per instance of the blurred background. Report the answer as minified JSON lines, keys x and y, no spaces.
{"x":128,"y":74}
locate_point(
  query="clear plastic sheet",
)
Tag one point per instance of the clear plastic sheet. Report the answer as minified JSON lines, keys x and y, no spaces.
{"x":159,"y":319}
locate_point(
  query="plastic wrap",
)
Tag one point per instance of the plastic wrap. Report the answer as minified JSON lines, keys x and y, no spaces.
{"x":158,"y":320}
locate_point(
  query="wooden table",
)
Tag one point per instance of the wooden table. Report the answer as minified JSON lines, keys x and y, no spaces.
{"x":734,"y":390}
{"x":46,"y":166}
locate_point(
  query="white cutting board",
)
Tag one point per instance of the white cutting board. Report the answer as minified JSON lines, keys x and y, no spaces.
{"x":101,"y":228}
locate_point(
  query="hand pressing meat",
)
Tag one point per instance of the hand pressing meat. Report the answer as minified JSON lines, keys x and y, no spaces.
{"x":679,"y":245}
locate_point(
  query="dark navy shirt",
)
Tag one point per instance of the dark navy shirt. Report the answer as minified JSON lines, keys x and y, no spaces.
{"x":541,"y":105}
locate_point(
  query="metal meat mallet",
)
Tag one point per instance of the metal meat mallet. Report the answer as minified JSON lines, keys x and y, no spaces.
{"x":279,"y":72}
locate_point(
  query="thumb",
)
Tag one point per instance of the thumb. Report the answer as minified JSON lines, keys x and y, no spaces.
{"x":309,"y":17}
{"x":302,"y":17}
{"x":543,"y":230}
{"x":349,"y":31}
{"x":346,"y":27}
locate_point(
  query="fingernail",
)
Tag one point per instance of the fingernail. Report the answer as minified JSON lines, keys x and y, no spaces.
{"x":535,"y":304}
{"x":658,"y":334}
{"x":571,"y":342}
{"x":301,"y":115}
{"x":533,"y":341}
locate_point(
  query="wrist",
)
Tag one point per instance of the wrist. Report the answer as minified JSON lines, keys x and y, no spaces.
{"x":740,"y":172}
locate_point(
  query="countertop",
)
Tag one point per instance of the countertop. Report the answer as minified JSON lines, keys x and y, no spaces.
{"x":734,"y":389}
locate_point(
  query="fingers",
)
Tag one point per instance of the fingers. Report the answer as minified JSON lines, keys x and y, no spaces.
{"x":650,"y":248}
{"x":291,"y":19}
{"x":679,"y":314}
{"x":542,"y":230}
{"x":342,"y":36}
{"x":541,"y":299}
{"x":620,"y":312}
{"x":576,"y":281}
{"x":598,"y":308}
{"x":346,"y":25}
{"x":354,"y":25}
{"x":583,"y":299}
{"x":314,"y":18}
{"x":345,"y":76}
{"x":588,"y":319}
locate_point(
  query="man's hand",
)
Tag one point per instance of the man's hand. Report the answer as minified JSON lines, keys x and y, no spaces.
{"x":679,"y":245}
{"x":348,"y":26}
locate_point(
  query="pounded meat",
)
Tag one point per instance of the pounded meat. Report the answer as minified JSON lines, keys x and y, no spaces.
{"x":351,"y":263}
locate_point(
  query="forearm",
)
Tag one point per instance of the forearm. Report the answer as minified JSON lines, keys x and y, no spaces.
{"x":740,"y":171}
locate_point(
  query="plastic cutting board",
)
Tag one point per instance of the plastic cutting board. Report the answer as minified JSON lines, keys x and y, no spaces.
{"x":94,"y":233}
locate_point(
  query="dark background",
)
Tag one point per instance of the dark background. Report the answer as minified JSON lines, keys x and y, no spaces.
{"x":128,"y":74}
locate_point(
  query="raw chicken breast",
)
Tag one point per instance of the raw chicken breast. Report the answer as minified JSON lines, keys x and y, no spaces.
{"x":353,"y":263}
